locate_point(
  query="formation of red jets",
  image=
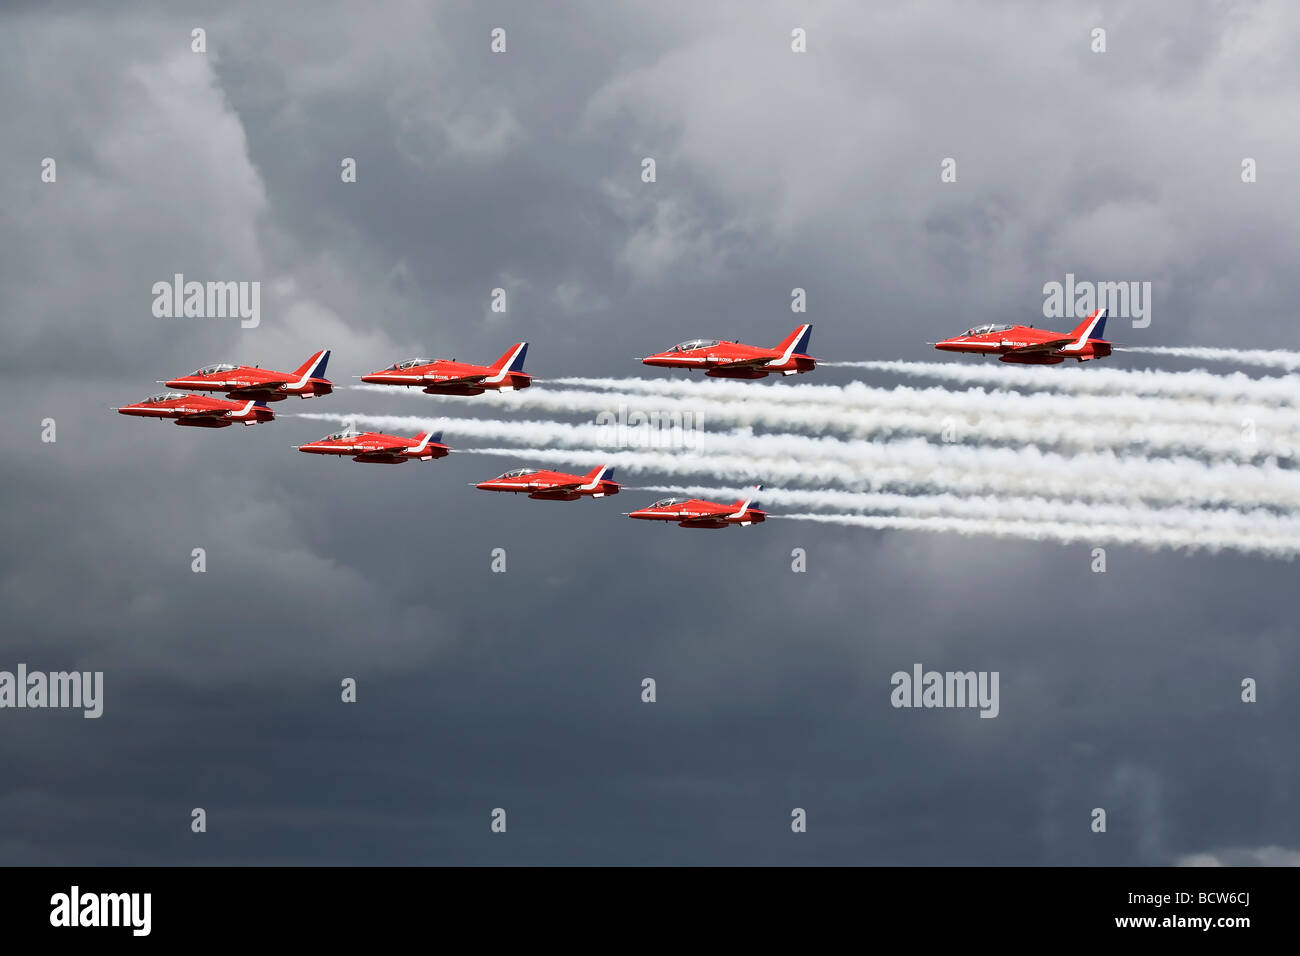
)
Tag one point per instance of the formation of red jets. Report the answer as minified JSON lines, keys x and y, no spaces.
{"x":248,"y":390}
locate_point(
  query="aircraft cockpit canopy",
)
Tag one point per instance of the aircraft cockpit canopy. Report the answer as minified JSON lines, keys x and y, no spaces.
{"x":409,"y":363}
{"x":984,"y":329}
{"x":164,"y":397}
{"x":665,"y":502}
{"x":213,"y":369}
{"x":348,"y":432}
{"x":693,"y":345}
{"x":518,"y":473}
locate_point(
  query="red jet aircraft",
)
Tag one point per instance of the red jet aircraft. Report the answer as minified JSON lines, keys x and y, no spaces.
{"x":264,"y":384}
{"x":694,"y":513}
{"x":201,"y":411}
{"x":735,"y":360}
{"x":1027,"y":345}
{"x":449,"y":377}
{"x":374,"y":447}
{"x":555,"y":485}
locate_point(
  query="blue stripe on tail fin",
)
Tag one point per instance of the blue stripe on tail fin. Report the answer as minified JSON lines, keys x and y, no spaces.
{"x":518,"y":364}
{"x":314,"y":367}
{"x":1100,"y":331}
{"x":319,"y":370}
{"x":797,"y":341}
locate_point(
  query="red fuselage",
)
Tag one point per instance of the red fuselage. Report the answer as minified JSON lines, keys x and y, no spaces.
{"x":694,"y":513}
{"x":200,"y":411}
{"x":554,"y":485}
{"x":737,"y":360}
{"x":449,"y":377}
{"x":263,"y":384}
{"x":378,"y":448}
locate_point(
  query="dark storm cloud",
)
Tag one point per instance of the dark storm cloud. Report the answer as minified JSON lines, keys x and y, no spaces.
{"x":521,"y":690}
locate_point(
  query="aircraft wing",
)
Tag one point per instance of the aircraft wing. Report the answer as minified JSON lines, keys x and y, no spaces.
{"x":259,"y":387}
{"x":749,"y":362}
{"x":207,"y":413}
{"x":458,"y":380}
{"x":711,"y":516}
{"x":1051,"y":346}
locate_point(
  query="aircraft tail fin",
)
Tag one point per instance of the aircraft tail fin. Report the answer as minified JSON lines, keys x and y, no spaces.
{"x":796,"y":341}
{"x":513,"y":360}
{"x":314,"y":367}
{"x":1093,"y":327}
{"x":744,"y":504}
{"x":598,"y":474}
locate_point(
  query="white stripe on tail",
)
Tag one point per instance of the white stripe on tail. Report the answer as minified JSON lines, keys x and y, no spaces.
{"x":744,"y":505}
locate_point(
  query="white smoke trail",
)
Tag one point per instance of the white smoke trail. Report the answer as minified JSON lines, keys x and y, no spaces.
{"x":861,"y":395}
{"x":1032,"y":518}
{"x":915,"y":467}
{"x":1024,"y":492}
{"x":1036,"y":518}
{"x":1195,"y":427}
{"x":1279,"y":390}
{"x":1265,"y":358}
{"x":1183,"y":539}
{"x":1263,"y":523}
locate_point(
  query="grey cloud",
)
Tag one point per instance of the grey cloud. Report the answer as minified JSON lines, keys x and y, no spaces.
{"x":521,"y":690}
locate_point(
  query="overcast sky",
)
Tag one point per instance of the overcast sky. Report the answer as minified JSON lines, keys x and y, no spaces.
{"x":522,"y":690}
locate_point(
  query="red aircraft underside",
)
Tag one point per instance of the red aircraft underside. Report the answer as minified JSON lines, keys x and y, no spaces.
{"x":1026,"y":345}
{"x":737,"y":360}
{"x":447,"y":377}
{"x":555,"y":485}
{"x":263,"y":384}
{"x":694,"y":513}
{"x":201,"y":411}
{"x":377,"y":448}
